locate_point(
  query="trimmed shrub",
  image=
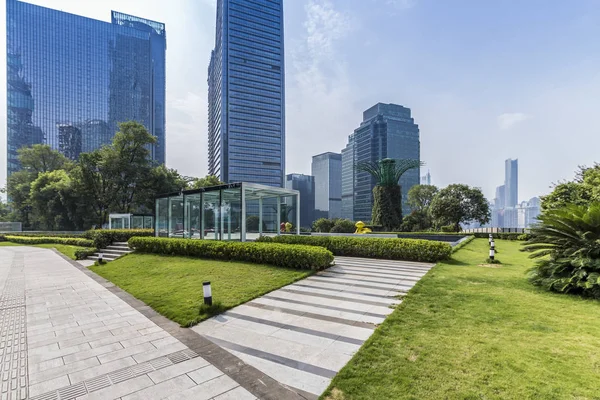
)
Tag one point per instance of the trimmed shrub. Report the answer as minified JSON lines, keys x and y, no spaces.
{"x":82,"y":254}
{"x":2,"y":238}
{"x":51,"y":240}
{"x":343,"y":226}
{"x":299,"y":257}
{"x":105,"y":237}
{"x":503,"y":235}
{"x":47,"y":234}
{"x":391,"y":249}
{"x":463,"y":243}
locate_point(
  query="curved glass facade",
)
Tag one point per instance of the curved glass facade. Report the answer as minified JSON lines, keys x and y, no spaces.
{"x":72,"y":79}
{"x":246,"y":111}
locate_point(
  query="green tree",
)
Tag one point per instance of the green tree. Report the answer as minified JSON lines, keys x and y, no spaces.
{"x":566,"y":243}
{"x":208,"y":180}
{"x":159,"y":181}
{"x":583,"y":190}
{"x":114,"y":178}
{"x":4,"y":211}
{"x":387,"y":193}
{"x":35,"y":160}
{"x":323,"y":225}
{"x":421,"y":196}
{"x":49,"y":199}
{"x":458,"y":204}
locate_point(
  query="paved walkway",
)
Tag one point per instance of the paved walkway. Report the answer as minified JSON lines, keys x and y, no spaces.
{"x":303,"y":334}
{"x":63,"y":335}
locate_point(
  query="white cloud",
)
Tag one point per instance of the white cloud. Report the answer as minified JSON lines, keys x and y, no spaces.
{"x":319,"y":93}
{"x":508,"y":120}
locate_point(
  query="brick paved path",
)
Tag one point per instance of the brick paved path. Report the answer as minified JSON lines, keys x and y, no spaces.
{"x":65,"y":336}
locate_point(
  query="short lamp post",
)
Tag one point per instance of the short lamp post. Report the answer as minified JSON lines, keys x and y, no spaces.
{"x":207,"y":293}
{"x":492,"y":253}
{"x":491,"y":238}
{"x":100,"y":257}
{"x":493,"y":245}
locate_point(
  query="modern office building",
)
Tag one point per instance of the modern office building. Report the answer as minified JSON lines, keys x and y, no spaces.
{"x":305,"y":185}
{"x":499,"y":201}
{"x":71,"y":79}
{"x":426,"y":179}
{"x":387,"y":131}
{"x":327,"y":170}
{"x":511,"y":183}
{"x":246,"y":96}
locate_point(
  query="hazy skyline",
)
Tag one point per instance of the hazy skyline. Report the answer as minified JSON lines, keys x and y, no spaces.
{"x":485,"y":81}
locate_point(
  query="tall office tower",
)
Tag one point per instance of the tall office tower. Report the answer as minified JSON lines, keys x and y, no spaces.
{"x":426,"y":179}
{"x":387,"y":131}
{"x":348,"y":182}
{"x":246,"y":96}
{"x":305,"y":184}
{"x":327,"y":170}
{"x":511,"y":183}
{"x":67,"y":72}
{"x":499,"y":201}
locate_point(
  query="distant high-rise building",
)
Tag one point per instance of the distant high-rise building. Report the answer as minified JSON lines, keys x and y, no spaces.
{"x":64,"y":70}
{"x":511,"y":183}
{"x":246,"y":110}
{"x":426,"y":179}
{"x":532,"y":211}
{"x":305,"y":184}
{"x":327,"y":170}
{"x":499,"y":201}
{"x":387,"y":131}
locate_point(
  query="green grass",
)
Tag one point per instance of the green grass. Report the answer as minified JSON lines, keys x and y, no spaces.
{"x":474,"y":332}
{"x":67,"y":250}
{"x":173,"y":285}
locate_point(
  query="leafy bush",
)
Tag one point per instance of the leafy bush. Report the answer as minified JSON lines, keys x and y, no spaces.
{"x":82,"y":254}
{"x":343,"y":226}
{"x":567,"y":246}
{"x":448,"y":228}
{"x":300,"y":257}
{"x":52,"y":240}
{"x":105,"y":237}
{"x":2,"y":238}
{"x":323,"y":225}
{"x":391,"y":249}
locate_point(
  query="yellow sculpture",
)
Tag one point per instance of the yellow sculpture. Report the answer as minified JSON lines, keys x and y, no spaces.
{"x":288,"y":227}
{"x":360,"y":228}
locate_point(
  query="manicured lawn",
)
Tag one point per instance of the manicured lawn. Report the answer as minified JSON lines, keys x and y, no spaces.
{"x":471,"y":332}
{"x":173,"y":285}
{"x":67,"y":250}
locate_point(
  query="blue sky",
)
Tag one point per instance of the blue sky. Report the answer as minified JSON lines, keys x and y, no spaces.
{"x":486,"y":80}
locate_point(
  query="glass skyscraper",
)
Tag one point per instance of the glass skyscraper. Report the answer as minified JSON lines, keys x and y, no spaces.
{"x":246,"y":99}
{"x":305,"y":184}
{"x":71,"y":79}
{"x":511,"y":183}
{"x":327,"y":170}
{"x":387,"y":131}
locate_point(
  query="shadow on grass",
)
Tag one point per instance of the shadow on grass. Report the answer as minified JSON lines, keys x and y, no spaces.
{"x":453,"y":261}
{"x":206,"y":312}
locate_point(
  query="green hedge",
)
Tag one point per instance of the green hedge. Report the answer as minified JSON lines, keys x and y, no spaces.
{"x":300,"y":257}
{"x":52,"y":240}
{"x":105,"y":237}
{"x":46,"y":234}
{"x":82,"y":254}
{"x":503,"y":236}
{"x":463,"y":243}
{"x":391,"y":249}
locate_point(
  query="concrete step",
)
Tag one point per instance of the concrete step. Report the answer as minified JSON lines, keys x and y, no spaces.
{"x":120,"y":244}
{"x":106,"y":257}
{"x":117,"y":247}
{"x":116,"y":253}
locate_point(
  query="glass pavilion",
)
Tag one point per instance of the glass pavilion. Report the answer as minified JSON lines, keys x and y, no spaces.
{"x":237,"y":211}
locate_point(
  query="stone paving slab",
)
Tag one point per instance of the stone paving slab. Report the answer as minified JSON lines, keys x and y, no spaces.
{"x":304,"y":333}
{"x":64,"y":335}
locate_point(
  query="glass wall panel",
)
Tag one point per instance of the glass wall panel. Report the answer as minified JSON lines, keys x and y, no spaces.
{"x":193,"y":216}
{"x":162,"y":217}
{"x":231,"y":211}
{"x":137,"y":222}
{"x":148,"y":222}
{"x":210,"y":215}
{"x":176,"y":217}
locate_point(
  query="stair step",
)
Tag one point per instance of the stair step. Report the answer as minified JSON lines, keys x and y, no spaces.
{"x":120,"y":244}
{"x":116,"y":251}
{"x":105,"y":258}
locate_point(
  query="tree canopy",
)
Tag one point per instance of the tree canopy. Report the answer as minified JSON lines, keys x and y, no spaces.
{"x":458,"y":204}
{"x":421,"y":196}
{"x":583,"y":190}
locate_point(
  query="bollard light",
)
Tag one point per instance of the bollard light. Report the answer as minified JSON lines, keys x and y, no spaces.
{"x":491,"y":238}
{"x":100,"y":257}
{"x":492,"y":252}
{"x":207,"y":293}
{"x":492,"y":245}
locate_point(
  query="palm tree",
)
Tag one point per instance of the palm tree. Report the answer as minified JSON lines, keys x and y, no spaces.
{"x":387,"y":193}
{"x":566,"y":243}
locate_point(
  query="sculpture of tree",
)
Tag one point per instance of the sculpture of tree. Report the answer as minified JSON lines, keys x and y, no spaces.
{"x":387,"y":193}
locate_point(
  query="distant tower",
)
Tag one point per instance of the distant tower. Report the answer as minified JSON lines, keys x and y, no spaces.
{"x":387,"y":131}
{"x":327,"y":170}
{"x":511,"y":183}
{"x":426,"y":179}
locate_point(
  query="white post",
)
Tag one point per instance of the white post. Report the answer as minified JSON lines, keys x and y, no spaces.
{"x":260,"y":216}
{"x":298,"y":214}
{"x":229,"y":223}
{"x":278,"y":227}
{"x":243,"y":232}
